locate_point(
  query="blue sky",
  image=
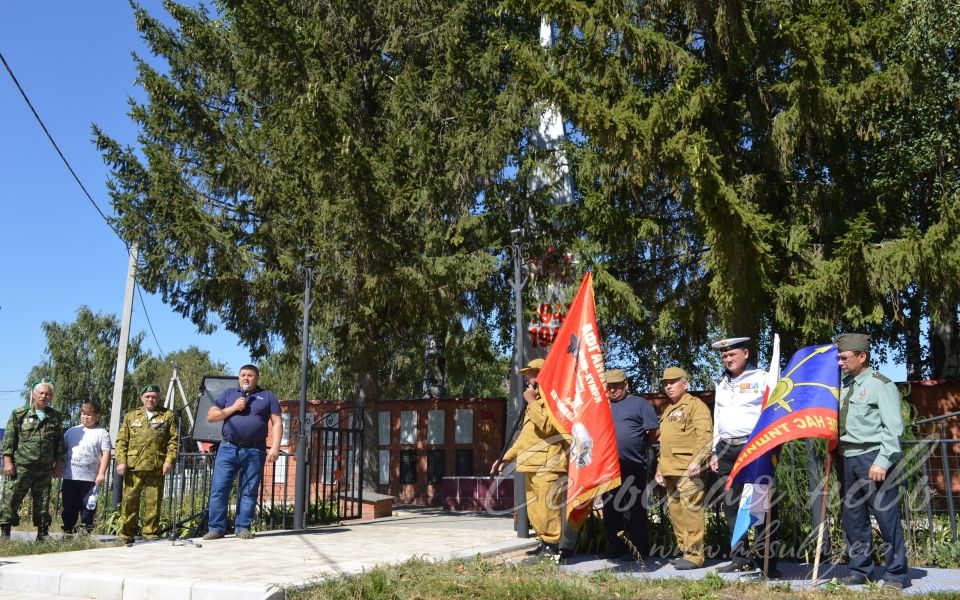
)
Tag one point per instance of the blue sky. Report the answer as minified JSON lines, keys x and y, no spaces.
{"x":73,"y":61}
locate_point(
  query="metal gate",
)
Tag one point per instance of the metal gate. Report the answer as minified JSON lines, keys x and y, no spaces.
{"x":336,"y":467}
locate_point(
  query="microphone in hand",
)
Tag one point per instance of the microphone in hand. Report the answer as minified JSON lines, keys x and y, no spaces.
{"x":242,"y":400}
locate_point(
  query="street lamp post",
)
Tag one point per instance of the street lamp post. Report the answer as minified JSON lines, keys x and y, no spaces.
{"x":300,"y":493}
{"x":522,"y":523}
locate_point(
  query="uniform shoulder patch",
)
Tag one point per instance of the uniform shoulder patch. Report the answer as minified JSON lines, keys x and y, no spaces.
{"x":882,"y":377}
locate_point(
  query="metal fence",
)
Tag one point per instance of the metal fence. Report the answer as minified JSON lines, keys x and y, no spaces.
{"x":927,"y":477}
{"x":930,"y":467}
{"x":336,"y":468}
{"x":334,"y":492}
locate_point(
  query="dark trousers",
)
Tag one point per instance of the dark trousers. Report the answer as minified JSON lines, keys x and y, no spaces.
{"x":861,"y":497}
{"x":625,"y":509}
{"x":740,"y":553}
{"x":75,"y":493}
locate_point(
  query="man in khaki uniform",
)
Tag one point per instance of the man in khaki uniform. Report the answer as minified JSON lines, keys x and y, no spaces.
{"x":541,"y":453}
{"x":685,"y":434}
{"x":146,"y":452}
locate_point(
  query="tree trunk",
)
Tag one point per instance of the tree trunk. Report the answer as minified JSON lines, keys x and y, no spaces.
{"x":365,"y":395}
{"x":914,"y":349}
{"x":943,"y":349}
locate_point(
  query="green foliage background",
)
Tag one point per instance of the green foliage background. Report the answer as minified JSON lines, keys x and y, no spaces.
{"x":741,"y":168}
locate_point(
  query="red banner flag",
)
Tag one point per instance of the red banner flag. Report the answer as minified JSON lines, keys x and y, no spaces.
{"x":572,"y":387}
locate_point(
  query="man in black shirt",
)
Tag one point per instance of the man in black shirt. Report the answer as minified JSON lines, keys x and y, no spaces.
{"x":624,"y":509}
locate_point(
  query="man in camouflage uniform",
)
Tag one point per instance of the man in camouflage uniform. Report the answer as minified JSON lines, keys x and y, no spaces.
{"x":146,"y":452}
{"x":33,"y":451}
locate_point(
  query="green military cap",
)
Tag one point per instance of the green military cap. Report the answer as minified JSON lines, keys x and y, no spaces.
{"x":534,"y":365}
{"x":853,"y":342}
{"x":671,"y":373}
{"x":150,"y":388}
{"x":616,"y":376}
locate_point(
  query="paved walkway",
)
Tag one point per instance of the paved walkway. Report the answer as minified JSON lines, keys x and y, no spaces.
{"x":255,"y":569}
{"x":261,"y":568}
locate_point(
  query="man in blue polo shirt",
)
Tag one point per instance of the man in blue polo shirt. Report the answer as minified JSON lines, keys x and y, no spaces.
{"x":245,"y":412}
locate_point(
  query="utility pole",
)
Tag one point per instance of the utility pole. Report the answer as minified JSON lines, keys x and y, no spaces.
{"x":121,"y":369}
{"x":300,"y":490}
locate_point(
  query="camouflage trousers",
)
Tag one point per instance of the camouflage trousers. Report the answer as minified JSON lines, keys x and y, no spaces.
{"x":148,"y":484}
{"x":33,"y":479}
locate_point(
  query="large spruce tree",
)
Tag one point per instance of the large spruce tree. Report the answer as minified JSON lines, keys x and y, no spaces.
{"x":741,"y":168}
{"x":750,"y":167}
{"x":360,"y":134}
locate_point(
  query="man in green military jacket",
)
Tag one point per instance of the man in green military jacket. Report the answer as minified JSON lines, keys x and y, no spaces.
{"x":686,"y":429}
{"x":870,"y":428}
{"x":33,"y":451}
{"x":146,"y":452}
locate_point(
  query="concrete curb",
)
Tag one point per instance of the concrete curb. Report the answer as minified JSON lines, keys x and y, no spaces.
{"x":83,"y":584}
{"x":491,"y":550}
{"x":92,"y":585}
{"x":32,"y":580}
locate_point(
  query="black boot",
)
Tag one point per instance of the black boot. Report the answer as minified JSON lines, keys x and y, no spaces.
{"x":536,"y":551}
{"x":42,"y":533}
{"x":5,"y":532}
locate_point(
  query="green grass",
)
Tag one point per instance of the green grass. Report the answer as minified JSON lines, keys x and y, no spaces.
{"x":15,"y":547}
{"x":484,"y":580}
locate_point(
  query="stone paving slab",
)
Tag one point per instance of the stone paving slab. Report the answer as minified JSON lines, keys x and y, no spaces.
{"x":260,"y":568}
{"x":796,"y":575}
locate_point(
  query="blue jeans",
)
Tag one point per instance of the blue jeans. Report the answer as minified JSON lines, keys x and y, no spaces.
{"x":233,"y":461}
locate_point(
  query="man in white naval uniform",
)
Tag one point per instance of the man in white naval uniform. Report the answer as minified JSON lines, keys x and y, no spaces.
{"x":739,"y":400}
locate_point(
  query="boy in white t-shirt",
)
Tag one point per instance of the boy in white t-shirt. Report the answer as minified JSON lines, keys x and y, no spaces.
{"x":84,"y":466}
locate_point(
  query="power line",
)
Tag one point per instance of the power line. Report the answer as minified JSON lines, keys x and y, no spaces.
{"x":76,"y":178}
{"x":57,"y":148}
{"x":149,"y":324}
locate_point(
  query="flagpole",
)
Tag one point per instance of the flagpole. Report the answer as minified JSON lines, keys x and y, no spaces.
{"x":823,"y":516}
{"x":508,"y":440}
{"x":766,"y":529}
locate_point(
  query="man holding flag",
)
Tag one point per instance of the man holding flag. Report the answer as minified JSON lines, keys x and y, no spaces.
{"x":870,"y":428}
{"x":739,"y":400}
{"x":571,"y":386}
{"x":541,"y":455}
{"x":803,"y":403}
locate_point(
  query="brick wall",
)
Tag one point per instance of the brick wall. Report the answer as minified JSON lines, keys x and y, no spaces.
{"x":422,"y":441}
